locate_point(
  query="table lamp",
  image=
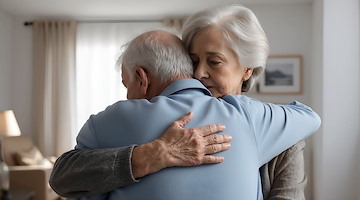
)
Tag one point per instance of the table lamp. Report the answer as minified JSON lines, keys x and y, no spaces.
{"x":8,"y":127}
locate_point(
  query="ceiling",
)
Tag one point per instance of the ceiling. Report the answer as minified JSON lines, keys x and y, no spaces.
{"x":118,"y":9}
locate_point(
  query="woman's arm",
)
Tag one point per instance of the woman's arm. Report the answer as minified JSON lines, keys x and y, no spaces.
{"x":283,"y":178}
{"x":84,"y":172}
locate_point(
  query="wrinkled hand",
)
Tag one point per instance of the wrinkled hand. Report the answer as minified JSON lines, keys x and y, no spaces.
{"x":180,"y":147}
{"x":194,"y":146}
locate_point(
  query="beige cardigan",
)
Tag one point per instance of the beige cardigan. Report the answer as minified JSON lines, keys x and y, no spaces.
{"x":283,"y":178}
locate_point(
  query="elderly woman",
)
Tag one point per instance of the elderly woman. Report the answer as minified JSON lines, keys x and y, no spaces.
{"x":229,"y":50}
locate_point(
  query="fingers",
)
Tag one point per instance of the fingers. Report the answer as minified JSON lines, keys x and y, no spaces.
{"x":215,"y":148}
{"x":217,"y":139}
{"x":212,"y":159}
{"x":208,"y":159}
{"x":210,"y":129}
{"x":184,"y":120}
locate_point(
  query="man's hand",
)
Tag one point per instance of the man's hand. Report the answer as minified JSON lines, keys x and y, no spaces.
{"x":180,"y":147}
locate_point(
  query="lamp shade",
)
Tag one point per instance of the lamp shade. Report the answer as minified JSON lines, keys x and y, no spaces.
{"x":8,"y":124}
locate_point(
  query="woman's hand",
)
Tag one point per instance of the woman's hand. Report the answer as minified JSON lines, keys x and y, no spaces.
{"x":180,"y":147}
{"x":190,"y":147}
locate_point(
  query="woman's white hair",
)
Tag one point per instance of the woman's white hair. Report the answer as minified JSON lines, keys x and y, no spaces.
{"x":242,"y":32}
{"x":163,"y":55}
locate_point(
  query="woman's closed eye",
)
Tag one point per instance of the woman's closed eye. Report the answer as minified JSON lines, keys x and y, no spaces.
{"x":214,"y":62}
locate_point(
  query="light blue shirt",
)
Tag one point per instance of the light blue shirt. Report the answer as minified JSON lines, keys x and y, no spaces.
{"x":260,"y":131}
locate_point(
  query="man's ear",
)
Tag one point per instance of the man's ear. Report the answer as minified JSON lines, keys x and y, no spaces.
{"x":142,"y":79}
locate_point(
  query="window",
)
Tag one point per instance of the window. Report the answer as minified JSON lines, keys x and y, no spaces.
{"x":98,"y":83}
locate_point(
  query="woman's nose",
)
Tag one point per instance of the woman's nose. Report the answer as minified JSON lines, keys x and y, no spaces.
{"x":201,"y":72}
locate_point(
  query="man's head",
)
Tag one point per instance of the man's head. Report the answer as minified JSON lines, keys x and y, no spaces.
{"x":152,"y":61}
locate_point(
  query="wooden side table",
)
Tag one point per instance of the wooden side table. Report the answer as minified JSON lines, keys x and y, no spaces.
{"x":21,"y":194}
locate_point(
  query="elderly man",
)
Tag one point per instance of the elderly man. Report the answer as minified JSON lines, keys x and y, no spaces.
{"x":157,"y":72}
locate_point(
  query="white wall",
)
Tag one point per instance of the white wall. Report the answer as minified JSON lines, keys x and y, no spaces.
{"x":22,"y":75}
{"x":5,"y":61}
{"x":317,"y":96}
{"x":16,"y":69}
{"x":337,"y":147}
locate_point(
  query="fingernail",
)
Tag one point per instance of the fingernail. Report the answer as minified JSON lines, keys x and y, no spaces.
{"x":222,"y":126}
{"x":229,"y":137}
{"x":228,"y":145}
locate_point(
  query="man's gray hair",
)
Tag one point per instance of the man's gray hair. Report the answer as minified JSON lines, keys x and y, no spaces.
{"x":165,"y":57}
{"x":242,"y":31}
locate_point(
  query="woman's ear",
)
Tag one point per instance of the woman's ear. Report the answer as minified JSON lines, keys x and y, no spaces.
{"x":142,"y":79}
{"x":248,"y":73}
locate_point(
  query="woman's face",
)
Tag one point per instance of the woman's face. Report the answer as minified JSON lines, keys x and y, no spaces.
{"x":216,"y":65}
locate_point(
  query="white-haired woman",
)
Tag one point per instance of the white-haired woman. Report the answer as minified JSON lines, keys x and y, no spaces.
{"x":229,"y":50}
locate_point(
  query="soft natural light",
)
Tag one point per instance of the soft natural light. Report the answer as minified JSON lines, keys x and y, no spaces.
{"x":98,"y":83}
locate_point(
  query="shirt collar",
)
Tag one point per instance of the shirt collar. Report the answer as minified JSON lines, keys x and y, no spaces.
{"x":185,"y":84}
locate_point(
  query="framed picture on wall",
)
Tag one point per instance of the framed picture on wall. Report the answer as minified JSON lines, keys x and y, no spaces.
{"x":282,"y":75}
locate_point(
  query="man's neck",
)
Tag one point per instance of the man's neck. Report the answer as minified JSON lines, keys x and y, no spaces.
{"x":156,"y":87}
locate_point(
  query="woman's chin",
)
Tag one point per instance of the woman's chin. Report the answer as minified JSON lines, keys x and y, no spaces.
{"x":215,"y":93}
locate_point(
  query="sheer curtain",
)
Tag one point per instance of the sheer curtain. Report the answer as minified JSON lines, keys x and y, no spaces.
{"x":54,"y":75}
{"x":98,"y":83}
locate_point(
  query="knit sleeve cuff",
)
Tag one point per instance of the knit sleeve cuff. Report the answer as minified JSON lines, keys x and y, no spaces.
{"x":122,"y":165}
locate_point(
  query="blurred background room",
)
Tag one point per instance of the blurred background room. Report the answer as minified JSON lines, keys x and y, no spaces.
{"x":51,"y":97}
